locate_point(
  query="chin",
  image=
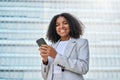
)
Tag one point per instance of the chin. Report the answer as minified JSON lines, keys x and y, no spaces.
{"x":63,"y":35}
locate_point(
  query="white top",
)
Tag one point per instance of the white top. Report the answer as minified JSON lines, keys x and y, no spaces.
{"x":60,"y":50}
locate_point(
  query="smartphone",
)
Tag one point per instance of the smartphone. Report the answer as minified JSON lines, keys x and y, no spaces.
{"x":40,"y":42}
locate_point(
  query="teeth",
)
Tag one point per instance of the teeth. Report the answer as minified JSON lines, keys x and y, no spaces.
{"x":62,"y":31}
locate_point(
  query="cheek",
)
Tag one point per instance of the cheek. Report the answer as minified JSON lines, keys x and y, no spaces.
{"x":57,"y":29}
{"x":68,"y":29}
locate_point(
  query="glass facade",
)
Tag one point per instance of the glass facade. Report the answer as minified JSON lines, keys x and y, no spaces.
{"x":24,"y":21}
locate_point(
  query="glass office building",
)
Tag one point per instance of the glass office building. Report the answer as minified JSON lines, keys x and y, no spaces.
{"x":24,"y":21}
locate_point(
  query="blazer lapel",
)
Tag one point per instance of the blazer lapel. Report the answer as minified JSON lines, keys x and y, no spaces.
{"x":55,"y":45}
{"x":69,"y":47}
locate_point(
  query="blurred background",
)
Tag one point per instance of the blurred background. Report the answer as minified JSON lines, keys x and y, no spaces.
{"x":24,"y":21}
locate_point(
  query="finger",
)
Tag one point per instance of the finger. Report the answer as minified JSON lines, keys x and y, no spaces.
{"x":43,"y":48}
{"x":43,"y":51}
{"x":44,"y":45}
{"x":44,"y":55}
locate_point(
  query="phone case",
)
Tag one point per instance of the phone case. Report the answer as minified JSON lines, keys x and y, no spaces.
{"x":40,"y":42}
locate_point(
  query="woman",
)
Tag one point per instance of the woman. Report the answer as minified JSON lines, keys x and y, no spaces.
{"x":68,"y":57}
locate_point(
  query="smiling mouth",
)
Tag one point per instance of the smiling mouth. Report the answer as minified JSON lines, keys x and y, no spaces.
{"x":62,"y":31}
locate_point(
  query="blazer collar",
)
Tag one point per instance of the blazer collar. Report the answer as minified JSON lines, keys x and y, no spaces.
{"x":69,"y":47}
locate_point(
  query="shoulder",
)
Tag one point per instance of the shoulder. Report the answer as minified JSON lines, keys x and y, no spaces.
{"x":81,"y":41}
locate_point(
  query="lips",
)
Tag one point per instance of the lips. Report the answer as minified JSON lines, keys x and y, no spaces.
{"x":62,"y":31}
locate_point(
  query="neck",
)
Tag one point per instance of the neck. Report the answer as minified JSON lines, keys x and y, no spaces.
{"x":65,"y":38}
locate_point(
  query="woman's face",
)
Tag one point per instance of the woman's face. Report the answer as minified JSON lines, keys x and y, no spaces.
{"x":62,"y":27}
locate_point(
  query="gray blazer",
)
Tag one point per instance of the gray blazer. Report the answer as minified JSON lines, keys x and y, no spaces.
{"x":74,"y":63}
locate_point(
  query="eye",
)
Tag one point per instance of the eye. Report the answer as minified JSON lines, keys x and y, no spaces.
{"x":57,"y":24}
{"x":65,"y":22}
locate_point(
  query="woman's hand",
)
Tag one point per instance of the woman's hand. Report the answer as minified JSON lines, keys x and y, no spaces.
{"x":51,"y":51}
{"x":46,"y":51}
{"x":43,"y":53}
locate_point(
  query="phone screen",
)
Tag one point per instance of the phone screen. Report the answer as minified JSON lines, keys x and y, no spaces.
{"x":40,"y":42}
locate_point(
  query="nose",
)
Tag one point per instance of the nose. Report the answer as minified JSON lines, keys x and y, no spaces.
{"x":61,"y":25}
